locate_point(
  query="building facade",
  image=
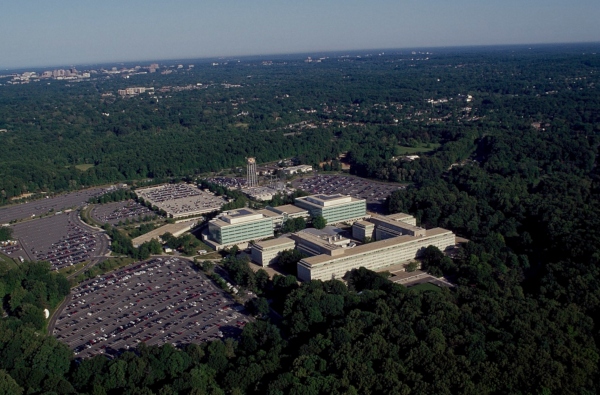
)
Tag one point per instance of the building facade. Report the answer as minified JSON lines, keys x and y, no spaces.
{"x":373,"y":256}
{"x":266,"y":252}
{"x":334,"y":208}
{"x":388,"y":227}
{"x":239,"y":226}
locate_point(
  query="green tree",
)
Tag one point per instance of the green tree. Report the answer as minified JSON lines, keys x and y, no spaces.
{"x":8,"y":386}
{"x":319,"y":222}
{"x":5,"y":233}
{"x":258,"y":306}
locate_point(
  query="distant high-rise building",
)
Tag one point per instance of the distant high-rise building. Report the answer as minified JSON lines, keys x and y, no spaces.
{"x":251,"y":173}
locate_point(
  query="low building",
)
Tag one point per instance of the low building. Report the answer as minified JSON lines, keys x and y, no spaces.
{"x":287,"y":211}
{"x":266,"y":252}
{"x":239,"y":226}
{"x":176,"y":230}
{"x":313,"y":242}
{"x":260,"y":193}
{"x":373,"y":256}
{"x":334,"y":208}
{"x":409,"y":219}
{"x":363,"y":230}
{"x":387,"y":227}
{"x":297,"y":169}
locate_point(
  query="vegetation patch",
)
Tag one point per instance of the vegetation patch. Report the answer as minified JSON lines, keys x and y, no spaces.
{"x":84,"y":167}
{"x":425,"y":287}
{"x":104,"y":267}
{"x":68,"y":270}
{"x":421,"y":148}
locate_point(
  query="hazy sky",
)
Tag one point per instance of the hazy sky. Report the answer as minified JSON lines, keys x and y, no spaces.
{"x":62,"y":32}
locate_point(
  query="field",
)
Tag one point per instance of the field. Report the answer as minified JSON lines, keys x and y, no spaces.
{"x":426,"y":287}
{"x":420,"y":149}
{"x":211,"y":253}
{"x":84,"y":167}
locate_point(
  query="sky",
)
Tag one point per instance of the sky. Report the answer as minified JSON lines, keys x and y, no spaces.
{"x":36,"y":33}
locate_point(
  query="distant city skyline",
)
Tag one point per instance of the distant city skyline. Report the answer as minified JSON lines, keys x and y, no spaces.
{"x":46,"y":34}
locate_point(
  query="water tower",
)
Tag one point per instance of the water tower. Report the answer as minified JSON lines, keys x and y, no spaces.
{"x":252,"y":181}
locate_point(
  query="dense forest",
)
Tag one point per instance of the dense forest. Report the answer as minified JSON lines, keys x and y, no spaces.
{"x":65,"y":135}
{"x":514,"y":169}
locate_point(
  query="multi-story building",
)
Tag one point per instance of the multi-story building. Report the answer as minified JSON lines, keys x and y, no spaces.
{"x":237,"y":227}
{"x":266,"y":252}
{"x":334,"y":208}
{"x":313,"y":242}
{"x":280,"y":214}
{"x":363,"y":230}
{"x":372,"y":256}
{"x":388,"y":227}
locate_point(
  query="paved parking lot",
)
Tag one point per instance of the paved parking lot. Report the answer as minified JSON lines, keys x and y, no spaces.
{"x":43,"y":206}
{"x":375,"y":193}
{"x":181,"y":200}
{"x":61,"y":239}
{"x":163,"y":300}
{"x":113,"y":213}
{"x":228,"y":182}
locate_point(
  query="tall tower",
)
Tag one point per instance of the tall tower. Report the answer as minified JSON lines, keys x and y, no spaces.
{"x":251,"y":173}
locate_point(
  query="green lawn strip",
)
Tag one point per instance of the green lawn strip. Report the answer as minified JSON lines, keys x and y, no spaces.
{"x":426,"y":287}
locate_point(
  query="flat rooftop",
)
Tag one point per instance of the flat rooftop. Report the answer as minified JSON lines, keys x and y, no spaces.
{"x":327,"y":198}
{"x":325,"y":232}
{"x":323,"y":200}
{"x":398,"y":216}
{"x":174,"y":229}
{"x":274,"y":242}
{"x":240,"y":213}
{"x":364,"y":223}
{"x":288,"y":209}
{"x":372,"y":247}
{"x":237,"y":217}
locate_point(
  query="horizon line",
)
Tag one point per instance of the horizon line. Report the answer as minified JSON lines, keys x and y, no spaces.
{"x":336,"y":51}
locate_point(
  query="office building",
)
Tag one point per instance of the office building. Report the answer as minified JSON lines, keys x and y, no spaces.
{"x":334,"y":208}
{"x":363,"y":230}
{"x":266,"y":252}
{"x":387,"y":227}
{"x":237,"y":227}
{"x":329,"y":241}
{"x":280,"y":214}
{"x":372,"y":256}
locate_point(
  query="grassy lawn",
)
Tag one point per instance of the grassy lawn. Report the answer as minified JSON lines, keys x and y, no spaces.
{"x":86,"y":216}
{"x":420,"y":149}
{"x":84,"y":167}
{"x":107,"y":266}
{"x":426,"y":287}
{"x":10,"y":263}
{"x":211,"y":253}
{"x":68,"y":270}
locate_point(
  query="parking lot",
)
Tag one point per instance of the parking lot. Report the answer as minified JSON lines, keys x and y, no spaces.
{"x":61,"y":239}
{"x":181,"y":200}
{"x":375,"y":193}
{"x":43,"y":206}
{"x":163,"y":300}
{"x":228,"y":182}
{"x":113,"y":213}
